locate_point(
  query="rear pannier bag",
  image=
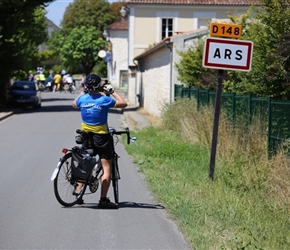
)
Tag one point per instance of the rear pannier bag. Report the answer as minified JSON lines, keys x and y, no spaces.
{"x":82,"y":165}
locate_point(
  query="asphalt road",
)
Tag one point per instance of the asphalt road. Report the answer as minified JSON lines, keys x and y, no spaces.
{"x":30,"y":216}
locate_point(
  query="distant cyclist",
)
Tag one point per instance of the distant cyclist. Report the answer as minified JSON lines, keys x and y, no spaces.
{"x":94,"y":108}
{"x":69,"y":82}
{"x":57,"y":82}
{"x":40,"y":80}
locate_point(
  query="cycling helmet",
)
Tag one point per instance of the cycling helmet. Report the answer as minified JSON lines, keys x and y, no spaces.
{"x":93,"y":82}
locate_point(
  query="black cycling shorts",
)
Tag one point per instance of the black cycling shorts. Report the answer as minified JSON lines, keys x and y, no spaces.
{"x":103,"y":146}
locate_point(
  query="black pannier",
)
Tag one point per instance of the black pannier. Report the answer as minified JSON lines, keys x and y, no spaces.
{"x":82,"y":165}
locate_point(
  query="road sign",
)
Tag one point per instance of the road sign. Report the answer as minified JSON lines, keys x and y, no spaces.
{"x":225,"y":30}
{"x":227,"y":54}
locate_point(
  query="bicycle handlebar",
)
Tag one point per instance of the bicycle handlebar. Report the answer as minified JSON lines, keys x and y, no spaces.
{"x":120,"y":132}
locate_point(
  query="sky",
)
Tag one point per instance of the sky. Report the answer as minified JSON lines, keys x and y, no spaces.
{"x":56,"y":9}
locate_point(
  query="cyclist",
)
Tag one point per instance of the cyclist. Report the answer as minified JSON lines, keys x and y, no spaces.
{"x":94,"y":108}
{"x":57,"y":82}
{"x":40,"y":79}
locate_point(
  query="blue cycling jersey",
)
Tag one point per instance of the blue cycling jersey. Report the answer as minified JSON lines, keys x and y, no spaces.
{"x":94,"y":112}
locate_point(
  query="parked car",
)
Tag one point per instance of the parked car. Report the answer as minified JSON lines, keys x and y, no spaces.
{"x":24,"y":94}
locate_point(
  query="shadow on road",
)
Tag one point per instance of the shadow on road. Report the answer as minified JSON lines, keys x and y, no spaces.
{"x":58,"y":108}
{"x":55,"y":108}
{"x":45,"y":109}
{"x":124,"y":204}
{"x":56,"y":99}
{"x":140,"y":205}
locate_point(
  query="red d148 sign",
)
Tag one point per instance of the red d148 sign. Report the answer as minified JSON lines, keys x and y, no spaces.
{"x":228,"y":54}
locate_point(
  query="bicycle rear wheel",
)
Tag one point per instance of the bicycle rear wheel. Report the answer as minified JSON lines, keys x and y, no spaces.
{"x":115,"y":178}
{"x":65,"y":184}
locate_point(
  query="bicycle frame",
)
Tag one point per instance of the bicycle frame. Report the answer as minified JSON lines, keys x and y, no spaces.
{"x":62,"y":175}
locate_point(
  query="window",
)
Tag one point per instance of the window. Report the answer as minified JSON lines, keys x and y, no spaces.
{"x":202,"y":19}
{"x":203,"y":22}
{"x":167,"y":27}
{"x":167,"y":24}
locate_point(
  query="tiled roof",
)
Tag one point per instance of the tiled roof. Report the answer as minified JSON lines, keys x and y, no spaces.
{"x":197,"y":2}
{"x":121,"y":24}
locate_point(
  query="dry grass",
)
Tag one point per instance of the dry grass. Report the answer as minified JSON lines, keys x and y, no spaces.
{"x":241,"y":149}
{"x":279,"y":178}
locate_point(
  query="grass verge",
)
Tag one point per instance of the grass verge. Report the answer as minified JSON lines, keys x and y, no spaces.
{"x":247,"y":204}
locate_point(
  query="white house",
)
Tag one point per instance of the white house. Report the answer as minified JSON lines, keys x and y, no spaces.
{"x":156,"y":73}
{"x":151,"y":23}
{"x":117,"y":49}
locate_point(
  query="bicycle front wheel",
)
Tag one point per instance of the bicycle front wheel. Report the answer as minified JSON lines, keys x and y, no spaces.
{"x":65,"y":184}
{"x":115,"y":178}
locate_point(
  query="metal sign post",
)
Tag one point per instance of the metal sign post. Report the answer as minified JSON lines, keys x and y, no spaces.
{"x":216,"y":123}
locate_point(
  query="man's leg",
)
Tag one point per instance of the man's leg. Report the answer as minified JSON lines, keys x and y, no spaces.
{"x":78,"y":188}
{"x":105,"y":148}
{"x":106,"y":178}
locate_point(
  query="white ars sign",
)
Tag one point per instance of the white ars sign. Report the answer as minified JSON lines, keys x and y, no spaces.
{"x":227,"y":54}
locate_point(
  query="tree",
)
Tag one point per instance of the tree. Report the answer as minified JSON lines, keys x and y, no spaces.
{"x":80,"y":39}
{"x":269,"y":30}
{"x":276,"y":22}
{"x":78,"y":47}
{"x":84,"y":13}
{"x":22,"y":29}
{"x":116,"y":7}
